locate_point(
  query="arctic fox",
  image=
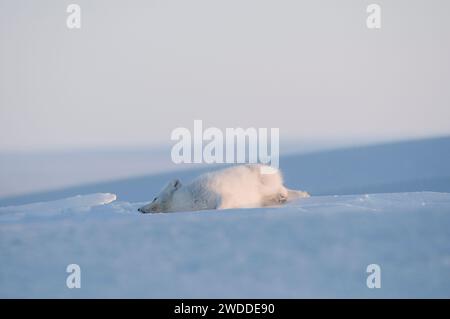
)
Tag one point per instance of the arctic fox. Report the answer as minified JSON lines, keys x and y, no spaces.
{"x":242,"y":186}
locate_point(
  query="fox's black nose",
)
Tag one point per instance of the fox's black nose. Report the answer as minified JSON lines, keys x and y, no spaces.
{"x":140,"y":210}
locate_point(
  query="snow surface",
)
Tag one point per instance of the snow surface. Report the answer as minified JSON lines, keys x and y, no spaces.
{"x":79,"y":203}
{"x":315,"y":247}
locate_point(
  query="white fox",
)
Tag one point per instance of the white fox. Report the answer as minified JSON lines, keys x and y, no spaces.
{"x":242,"y":186}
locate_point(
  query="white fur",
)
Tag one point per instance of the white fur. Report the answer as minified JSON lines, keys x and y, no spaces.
{"x":235,"y":187}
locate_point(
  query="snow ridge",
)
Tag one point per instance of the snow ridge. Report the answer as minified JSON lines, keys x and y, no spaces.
{"x":79,"y":203}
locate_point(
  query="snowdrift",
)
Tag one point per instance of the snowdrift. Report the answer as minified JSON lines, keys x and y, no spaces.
{"x":315,"y":247}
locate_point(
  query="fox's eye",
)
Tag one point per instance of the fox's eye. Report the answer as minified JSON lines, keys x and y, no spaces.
{"x":154,"y":199}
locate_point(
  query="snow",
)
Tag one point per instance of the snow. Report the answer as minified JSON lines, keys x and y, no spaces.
{"x":75,"y":203}
{"x":314,"y":247}
{"x":383,"y":204}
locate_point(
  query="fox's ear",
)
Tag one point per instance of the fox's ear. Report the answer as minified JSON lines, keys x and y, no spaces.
{"x":176,"y":183}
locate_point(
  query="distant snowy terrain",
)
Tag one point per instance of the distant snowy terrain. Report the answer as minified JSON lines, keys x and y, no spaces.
{"x":422,"y":165}
{"x":315,"y":247}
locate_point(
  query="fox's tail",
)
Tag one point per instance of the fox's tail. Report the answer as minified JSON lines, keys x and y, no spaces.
{"x":294,"y":194}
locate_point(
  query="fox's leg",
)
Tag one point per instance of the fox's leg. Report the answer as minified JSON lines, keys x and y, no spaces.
{"x":293,"y":194}
{"x":221,"y":203}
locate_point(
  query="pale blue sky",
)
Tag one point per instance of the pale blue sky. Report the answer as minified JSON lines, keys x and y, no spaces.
{"x":138,"y":69}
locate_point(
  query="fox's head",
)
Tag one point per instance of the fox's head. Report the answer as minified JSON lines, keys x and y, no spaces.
{"x":161,"y":203}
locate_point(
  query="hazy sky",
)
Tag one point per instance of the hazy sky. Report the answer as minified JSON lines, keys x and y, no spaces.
{"x":138,"y":69}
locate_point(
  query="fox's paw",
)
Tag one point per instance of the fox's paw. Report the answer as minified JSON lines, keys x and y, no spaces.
{"x":304,"y":194}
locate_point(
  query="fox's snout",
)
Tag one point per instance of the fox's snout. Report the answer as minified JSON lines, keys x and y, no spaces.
{"x":146,"y":209}
{"x":143,"y":210}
